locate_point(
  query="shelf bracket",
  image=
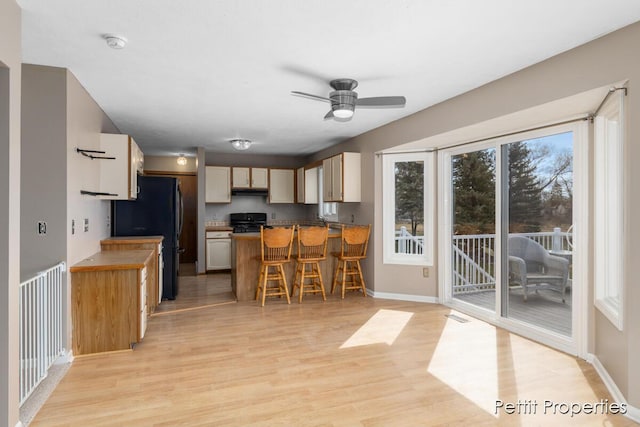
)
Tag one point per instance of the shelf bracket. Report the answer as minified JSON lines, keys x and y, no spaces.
{"x":90,"y":154}
{"x":96,"y":193}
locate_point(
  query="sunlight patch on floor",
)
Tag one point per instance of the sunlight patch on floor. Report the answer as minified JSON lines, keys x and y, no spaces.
{"x":382,"y":327}
{"x":465,"y":359}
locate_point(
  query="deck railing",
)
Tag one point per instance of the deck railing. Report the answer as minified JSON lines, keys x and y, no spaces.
{"x":41,"y":326}
{"x":473,"y":254}
{"x":406,"y":243}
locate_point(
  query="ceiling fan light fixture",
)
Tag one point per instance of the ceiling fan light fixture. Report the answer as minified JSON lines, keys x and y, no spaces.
{"x":182,"y":160}
{"x":240,"y":144}
{"x":343,"y":113}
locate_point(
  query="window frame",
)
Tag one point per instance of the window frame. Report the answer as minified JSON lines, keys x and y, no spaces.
{"x":609,"y":190}
{"x":389,"y":206}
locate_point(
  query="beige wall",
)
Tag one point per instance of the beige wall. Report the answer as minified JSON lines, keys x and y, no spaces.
{"x":10,"y":85}
{"x":169,"y":164}
{"x":85,"y":121}
{"x":597,"y":64}
{"x":43,"y":192}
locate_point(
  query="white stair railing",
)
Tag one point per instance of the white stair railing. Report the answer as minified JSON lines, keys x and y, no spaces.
{"x":41,"y":326}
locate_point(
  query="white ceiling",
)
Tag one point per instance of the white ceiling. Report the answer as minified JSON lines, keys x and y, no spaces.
{"x":198,"y":73}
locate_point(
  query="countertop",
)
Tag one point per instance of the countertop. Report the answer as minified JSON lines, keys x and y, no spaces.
{"x":113,"y":260}
{"x":219,"y":228}
{"x":131,"y":239}
{"x":333,"y":233}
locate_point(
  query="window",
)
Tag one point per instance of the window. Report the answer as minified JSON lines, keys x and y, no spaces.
{"x":327,"y":211}
{"x":407,"y":193}
{"x":608,"y":212}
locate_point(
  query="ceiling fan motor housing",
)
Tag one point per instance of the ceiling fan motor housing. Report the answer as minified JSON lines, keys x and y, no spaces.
{"x":343,"y":100}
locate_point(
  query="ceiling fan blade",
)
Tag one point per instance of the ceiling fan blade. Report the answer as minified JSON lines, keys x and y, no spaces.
{"x":382,"y":101}
{"x":308,"y":95}
{"x":329,"y":115}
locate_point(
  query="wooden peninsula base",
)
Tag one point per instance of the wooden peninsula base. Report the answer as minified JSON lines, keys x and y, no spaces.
{"x":245,"y":264}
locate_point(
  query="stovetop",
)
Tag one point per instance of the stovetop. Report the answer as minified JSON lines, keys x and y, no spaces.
{"x":247,"y":222}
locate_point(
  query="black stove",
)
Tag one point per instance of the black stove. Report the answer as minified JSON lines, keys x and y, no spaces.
{"x":247,"y":222}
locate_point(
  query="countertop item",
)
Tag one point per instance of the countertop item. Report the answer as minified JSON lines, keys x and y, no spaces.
{"x":113,"y":260}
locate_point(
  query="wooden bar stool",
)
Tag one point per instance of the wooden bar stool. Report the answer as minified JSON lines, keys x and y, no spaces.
{"x":312,"y":248}
{"x":275,"y":251}
{"x":353,"y":248}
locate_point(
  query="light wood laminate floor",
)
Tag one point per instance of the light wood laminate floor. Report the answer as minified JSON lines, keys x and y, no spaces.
{"x":352,"y":362}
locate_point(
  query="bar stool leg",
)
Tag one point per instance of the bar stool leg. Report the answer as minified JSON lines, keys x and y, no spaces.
{"x":302,"y":273}
{"x":317,"y":267}
{"x":283,"y":285}
{"x":264,"y":283}
{"x":364,"y":288}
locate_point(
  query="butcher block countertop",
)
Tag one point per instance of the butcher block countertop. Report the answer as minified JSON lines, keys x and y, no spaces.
{"x":113,"y":260}
{"x":131,"y":239}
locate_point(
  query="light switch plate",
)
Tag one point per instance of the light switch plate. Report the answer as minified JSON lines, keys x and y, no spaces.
{"x":42,"y":228}
{"x":425,"y":272}
{"x":86,"y":225}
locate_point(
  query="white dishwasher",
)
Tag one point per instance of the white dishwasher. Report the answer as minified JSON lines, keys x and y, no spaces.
{"x":218,"y":250}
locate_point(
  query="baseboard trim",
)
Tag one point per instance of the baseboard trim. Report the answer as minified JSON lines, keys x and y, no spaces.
{"x":633,"y":413}
{"x":403,"y":297}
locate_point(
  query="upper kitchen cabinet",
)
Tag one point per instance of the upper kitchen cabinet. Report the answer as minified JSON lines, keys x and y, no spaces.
{"x":307,"y":185}
{"x":250,"y":177}
{"x":217,"y":184}
{"x":119,"y":176}
{"x":282,"y":186}
{"x":341,"y":178}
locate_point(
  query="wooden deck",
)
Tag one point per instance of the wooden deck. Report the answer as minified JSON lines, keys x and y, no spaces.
{"x":544,"y":309}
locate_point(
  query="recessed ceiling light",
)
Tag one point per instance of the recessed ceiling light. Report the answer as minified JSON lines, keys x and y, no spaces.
{"x":182,"y":160}
{"x":115,"y":41}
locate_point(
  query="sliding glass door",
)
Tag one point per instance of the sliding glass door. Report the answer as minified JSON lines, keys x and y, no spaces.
{"x":508,"y":216}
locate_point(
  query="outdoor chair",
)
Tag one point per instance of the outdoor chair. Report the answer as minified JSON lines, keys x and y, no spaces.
{"x":532,"y":267}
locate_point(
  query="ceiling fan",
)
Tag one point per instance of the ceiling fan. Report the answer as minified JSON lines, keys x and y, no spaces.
{"x":344,"y":100}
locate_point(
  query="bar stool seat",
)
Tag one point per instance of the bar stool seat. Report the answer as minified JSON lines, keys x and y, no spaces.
{"x":353,"y":248}
{"x":275,"y":251}
{"x":312,"y":248}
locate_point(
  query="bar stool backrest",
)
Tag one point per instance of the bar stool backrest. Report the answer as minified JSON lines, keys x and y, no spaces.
{"x":312,"y":242}
{"x":355,"y":240}
{"x":276,"y":243}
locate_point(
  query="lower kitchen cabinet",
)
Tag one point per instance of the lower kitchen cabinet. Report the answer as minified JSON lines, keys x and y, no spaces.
{"x":109,"y":301}
{"x":218,"y":250}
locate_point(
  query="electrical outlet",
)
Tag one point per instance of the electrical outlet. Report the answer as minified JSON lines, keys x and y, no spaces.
{"x":42,"y":227}
{"x":86,"y":225}
{"x":273,"y":215}
{"x":73,"y":226}
{"x":353,"y":218}
{"x":108,"y":222}
{"x":425,"y":272}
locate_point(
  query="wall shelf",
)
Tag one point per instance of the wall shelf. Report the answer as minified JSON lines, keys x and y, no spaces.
{"x":96,"y":193}
{"x":90,"y":154}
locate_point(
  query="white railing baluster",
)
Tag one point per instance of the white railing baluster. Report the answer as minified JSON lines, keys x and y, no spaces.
{"x":40,"y":327}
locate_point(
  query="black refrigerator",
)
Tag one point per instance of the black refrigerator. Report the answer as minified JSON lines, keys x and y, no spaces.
{"x":157,"y":211}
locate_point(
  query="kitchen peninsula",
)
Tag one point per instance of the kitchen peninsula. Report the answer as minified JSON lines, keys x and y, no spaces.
{"x":245,"y":263}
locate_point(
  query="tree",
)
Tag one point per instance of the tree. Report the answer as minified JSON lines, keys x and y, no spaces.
{"x":410,"y":193}
{"x":525,"y":201}
{"x":474,"y":192}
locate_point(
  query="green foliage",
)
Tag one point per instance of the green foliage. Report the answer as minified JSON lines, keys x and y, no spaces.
{"x":474,"y":192}
{"x":525,"y":199}
{"x":410,"y":193}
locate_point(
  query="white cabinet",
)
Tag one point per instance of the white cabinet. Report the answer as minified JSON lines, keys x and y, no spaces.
{"x":259,"y":178}
{"x":282,"y":186}
{"x":307,"y":186}
{"x":250,"y":177}
{"x":119,"y":176}
{"x":217,"y":184}
{"x":240,"y":177}
{"x":218,"y":250}
{"x":341,"y":178}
